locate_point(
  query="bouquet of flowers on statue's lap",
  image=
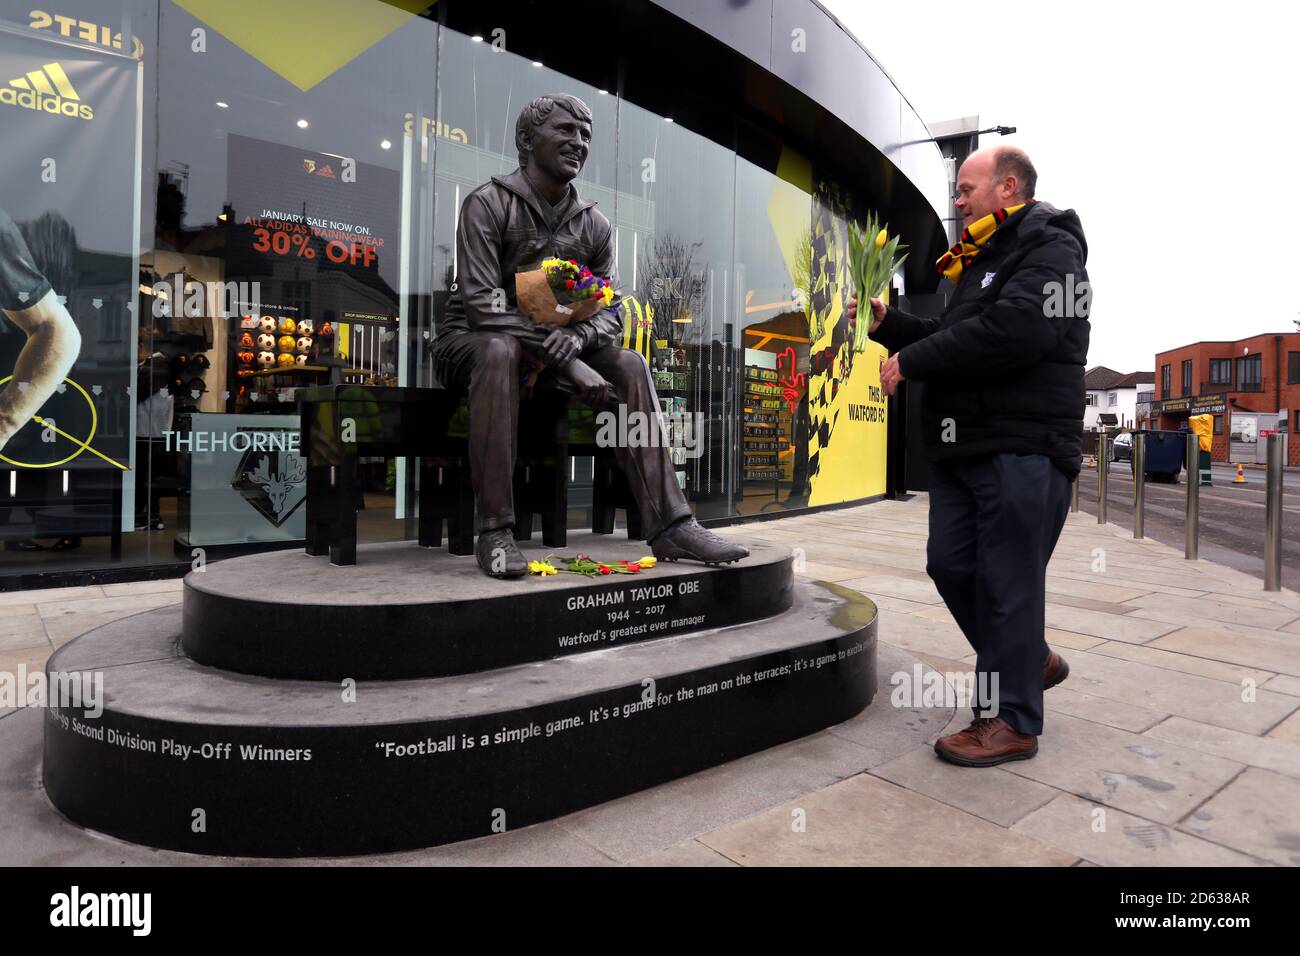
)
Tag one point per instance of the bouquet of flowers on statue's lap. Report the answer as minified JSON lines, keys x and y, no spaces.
{"x":873,"y":260}
{"x":561,"y":292}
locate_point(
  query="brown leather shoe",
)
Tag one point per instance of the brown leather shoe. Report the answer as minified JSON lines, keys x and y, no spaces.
{"x":1055,"y":669}
{"x":986,"y":742}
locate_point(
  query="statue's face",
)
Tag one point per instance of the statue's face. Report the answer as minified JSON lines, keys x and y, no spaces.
{"x":561,"y":145}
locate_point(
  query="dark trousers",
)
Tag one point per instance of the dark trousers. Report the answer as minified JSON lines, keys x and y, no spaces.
{"x":487,"y":365}
{"x":994,"y":522}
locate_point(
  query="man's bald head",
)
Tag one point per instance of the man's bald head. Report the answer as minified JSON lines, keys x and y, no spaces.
{"x":992,"y":178}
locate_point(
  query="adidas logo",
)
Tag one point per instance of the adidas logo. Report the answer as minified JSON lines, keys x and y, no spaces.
{"x":47,"y":90}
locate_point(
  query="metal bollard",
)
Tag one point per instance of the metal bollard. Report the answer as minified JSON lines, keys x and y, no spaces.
{"x":1103,"y":474}
{"x":1273,"y":515}
{"x":1139,"y":484}
{"x":1193,"y":497}
{"x":1074,"y":493}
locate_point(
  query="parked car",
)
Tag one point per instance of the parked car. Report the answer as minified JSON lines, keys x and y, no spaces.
{"x":1121,"y":447}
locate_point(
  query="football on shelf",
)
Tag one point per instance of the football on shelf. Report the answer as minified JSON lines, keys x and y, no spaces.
{"x":301,"y":360}
{"x":266,"y":341}
{"x":286,"y":343}
{"x":248,"y":322}
{"x":246,"y":358}
{"x":266,"y":359}
{"x":304,"y":343}
{"x":284,"y":358}
{"x":305,"y":327}
{"x":246,"y":340}
{"x":327,"y":329}
{"x":287,"y":326}
{"x":268,"y":324}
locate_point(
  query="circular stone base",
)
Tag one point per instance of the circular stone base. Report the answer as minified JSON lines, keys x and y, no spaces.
{"x":191,"y":758}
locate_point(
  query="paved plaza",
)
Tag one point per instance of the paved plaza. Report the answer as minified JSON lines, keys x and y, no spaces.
{"x":1175,"y":740}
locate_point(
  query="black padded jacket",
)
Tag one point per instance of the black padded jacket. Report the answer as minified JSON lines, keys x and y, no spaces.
{"x":1003,"y":365}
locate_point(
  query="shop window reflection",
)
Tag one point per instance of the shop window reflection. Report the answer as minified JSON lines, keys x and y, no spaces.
{"x":278,"y":176}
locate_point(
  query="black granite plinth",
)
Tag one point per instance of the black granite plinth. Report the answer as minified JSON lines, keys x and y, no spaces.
{"x":194,"y":758}
{"x":405,"y":612}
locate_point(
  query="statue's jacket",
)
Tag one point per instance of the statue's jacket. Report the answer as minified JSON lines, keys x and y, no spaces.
{"x":503,"y":230}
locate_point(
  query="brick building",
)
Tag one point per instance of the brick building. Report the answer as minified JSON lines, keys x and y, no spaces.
{"x":1243,"y":383}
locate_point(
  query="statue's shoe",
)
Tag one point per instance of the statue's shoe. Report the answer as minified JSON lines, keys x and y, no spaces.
{"x":689,"y":539}
{"x":498,"y":555}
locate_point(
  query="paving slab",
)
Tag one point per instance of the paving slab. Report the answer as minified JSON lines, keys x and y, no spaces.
{"x":122,"y":604}
{"x":1157,"y":780}
{"x":143,"y":587}
{"x":1200,"y":610}
{"x":867,"y":821}
{"x":1288,"y":729}
{"x":1265,"y":650}
{"x":1108,"y":837}
{"x":996,"y":795}
{"x":45,"y":595}
{"x":634,"y":826}
{"x":20,"y":633}
{"x":1269,"y":753}
{"x":910,"y":589}
{"x":916,"y":633}
{"x":690,"y":853}
{"x":1283,"y":684}
{"x":1187,"y":664}
{"x":1112,"y":627}
{"x":1059,"y":638}
{"x":1064,"y":699}
{"x":1172,"y":692}
{"x":1258,"y":813}
{"x":1097,"y":590}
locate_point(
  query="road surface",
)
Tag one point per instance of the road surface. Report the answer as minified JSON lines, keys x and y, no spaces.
{"x":1232,"y":516}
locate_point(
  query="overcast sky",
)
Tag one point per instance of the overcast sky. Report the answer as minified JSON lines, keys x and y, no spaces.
{"x":1169,"y":127}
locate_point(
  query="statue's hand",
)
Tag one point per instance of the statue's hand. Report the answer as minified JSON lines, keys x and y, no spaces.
{"x":560,"y":348}
{"x":592,"y":387}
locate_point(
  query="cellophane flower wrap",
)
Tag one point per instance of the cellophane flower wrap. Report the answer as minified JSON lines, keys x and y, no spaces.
{"x":561,"y":292}
{"x":874,"y":257}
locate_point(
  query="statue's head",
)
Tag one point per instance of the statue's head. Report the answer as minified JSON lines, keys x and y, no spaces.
{"x":554,"y":133}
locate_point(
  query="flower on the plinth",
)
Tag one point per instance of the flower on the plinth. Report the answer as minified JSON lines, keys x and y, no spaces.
{"x":648,"y":562}
{"x":541,"y":567}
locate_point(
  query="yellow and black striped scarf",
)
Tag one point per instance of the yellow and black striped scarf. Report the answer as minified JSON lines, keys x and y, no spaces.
{"x":973,"y":237}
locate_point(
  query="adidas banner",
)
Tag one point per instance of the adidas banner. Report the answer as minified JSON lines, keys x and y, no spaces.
{"x":68,"y":195}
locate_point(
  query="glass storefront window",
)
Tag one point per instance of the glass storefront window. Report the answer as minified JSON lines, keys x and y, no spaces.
{"x":774,"y":293}
{"x":70,"y":81}
{"x":285,"y":188}
{"x":675,"y":228}
{"x":282,"y":212}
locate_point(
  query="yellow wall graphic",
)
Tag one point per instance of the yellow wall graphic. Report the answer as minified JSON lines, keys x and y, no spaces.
{"x":846,"y":444}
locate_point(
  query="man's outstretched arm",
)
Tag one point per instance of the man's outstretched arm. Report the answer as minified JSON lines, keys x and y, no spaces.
{"x":53,"y":344}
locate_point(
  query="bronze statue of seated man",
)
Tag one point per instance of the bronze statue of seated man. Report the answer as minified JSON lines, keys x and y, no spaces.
{"x":485,"y":345}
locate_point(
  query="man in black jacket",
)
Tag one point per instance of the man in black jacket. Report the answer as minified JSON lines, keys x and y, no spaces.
{"x":484,"y":344}
{"x":1002,"y":420}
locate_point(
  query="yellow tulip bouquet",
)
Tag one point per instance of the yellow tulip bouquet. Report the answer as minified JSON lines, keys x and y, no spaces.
{"x":872,"y":263}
